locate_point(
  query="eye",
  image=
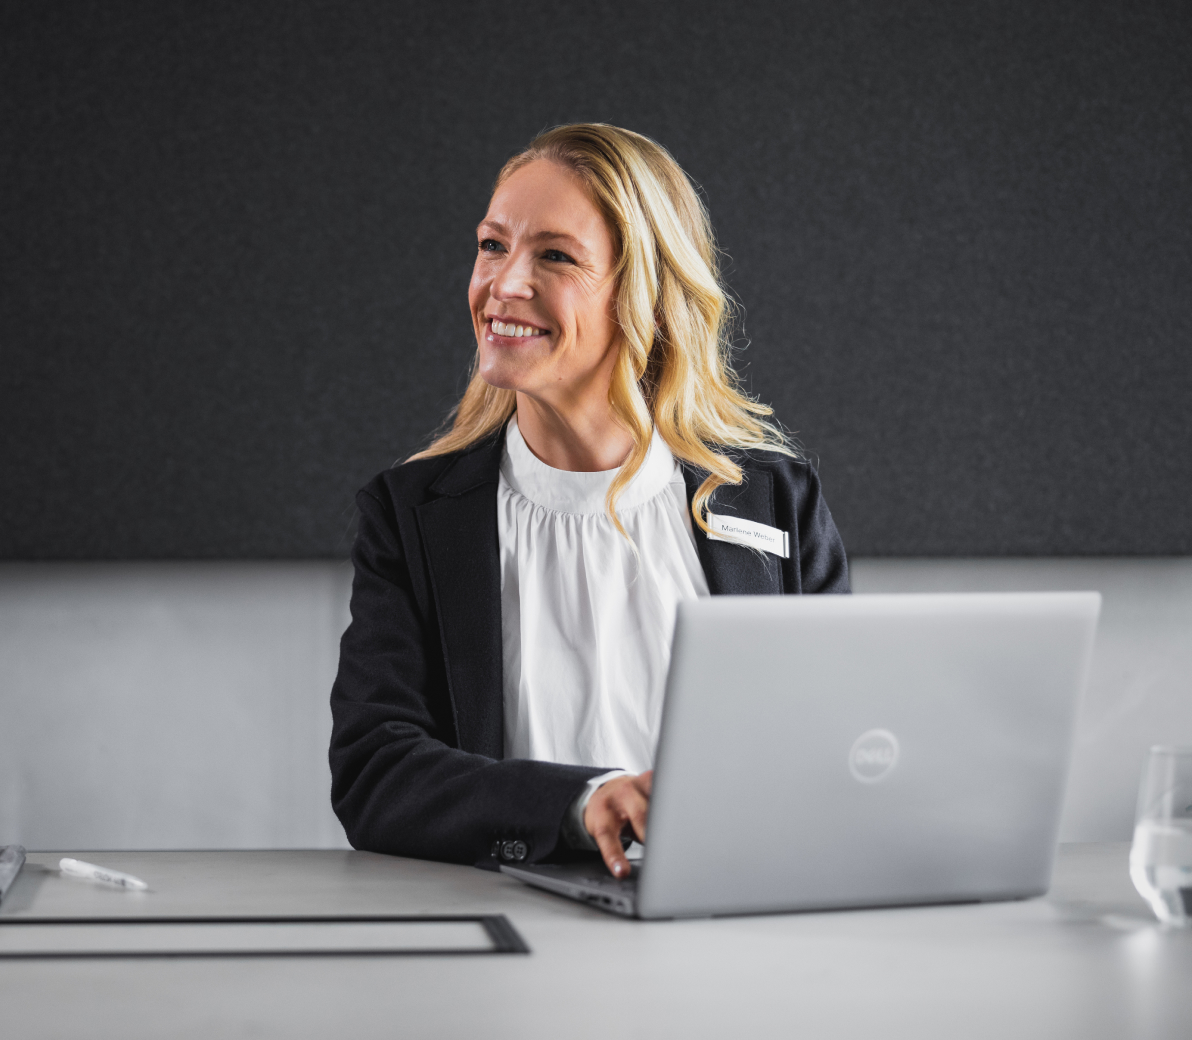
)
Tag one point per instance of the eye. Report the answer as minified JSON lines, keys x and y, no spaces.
{"x":557,"y":256}
{"x":490,"y":245}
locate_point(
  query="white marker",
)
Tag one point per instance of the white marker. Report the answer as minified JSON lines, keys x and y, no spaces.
{"x":90,"y":872}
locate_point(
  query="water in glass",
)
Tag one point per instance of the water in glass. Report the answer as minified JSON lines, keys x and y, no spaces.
{"x":1161,"y":858}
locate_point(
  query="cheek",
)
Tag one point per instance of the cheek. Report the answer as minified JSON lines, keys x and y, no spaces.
{"x":595,"y":316}
{"x":478,"y":288}
{"x":571,"y":308}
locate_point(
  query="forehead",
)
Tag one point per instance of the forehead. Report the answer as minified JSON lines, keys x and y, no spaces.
{"x":544,"y":196}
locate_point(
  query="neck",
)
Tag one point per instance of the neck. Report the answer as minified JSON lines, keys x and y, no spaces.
{"x":582,"y":440}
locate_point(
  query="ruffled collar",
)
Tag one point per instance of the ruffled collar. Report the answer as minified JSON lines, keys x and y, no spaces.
{"x":583,"y":493}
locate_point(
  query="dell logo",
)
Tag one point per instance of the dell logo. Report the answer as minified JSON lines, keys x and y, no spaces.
{"x":873,"y":756}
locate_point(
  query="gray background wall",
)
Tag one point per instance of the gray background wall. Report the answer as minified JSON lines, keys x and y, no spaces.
{"x":168,"y":705}
{"x":236,"y":239}
{"x":184,"y":705}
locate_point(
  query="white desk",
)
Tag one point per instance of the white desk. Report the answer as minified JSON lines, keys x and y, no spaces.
{"x":1086,"y":962}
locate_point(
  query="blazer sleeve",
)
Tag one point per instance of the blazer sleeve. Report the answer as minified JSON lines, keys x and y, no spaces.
{"x":400,"y":785}
{"x":819,"y":561}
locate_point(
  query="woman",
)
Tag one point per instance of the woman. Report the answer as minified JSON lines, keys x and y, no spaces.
{"x":500,"y":685}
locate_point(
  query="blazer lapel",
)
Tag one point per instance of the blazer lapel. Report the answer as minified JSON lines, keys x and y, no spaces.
{"x":459,"y":535}
{"x":734,"y":570}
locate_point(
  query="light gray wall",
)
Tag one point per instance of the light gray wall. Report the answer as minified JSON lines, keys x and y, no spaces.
{"x":168,"y":705}
{"x":184,"y":705}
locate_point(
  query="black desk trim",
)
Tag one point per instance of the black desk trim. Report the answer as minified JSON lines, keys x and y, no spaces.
{"x":505,"y":938}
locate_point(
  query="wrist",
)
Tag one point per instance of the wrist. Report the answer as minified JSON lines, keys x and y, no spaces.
{"x":575,"y":832}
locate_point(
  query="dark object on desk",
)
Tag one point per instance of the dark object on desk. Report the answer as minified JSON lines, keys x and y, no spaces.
{"x":12,"y":858}
{"x":380,"y":935}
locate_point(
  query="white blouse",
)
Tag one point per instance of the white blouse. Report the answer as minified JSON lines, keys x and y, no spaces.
{"x":586,"y":624}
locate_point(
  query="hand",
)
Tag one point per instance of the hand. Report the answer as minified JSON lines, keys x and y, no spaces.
{"x":623,"y":800}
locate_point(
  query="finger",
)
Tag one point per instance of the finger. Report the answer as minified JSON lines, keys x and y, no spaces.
{"x":632,"y":807}
{"x":637,"y":808}
{"x":634,"y":803}
{"x":608,"y":840}
{"x":601,"y":805}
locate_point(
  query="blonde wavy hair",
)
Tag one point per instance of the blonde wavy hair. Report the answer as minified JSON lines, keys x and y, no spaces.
{"x":674,"y":371}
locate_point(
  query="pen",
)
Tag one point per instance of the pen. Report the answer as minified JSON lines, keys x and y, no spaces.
{"x":12,"y":858}
{"x":90,"y":872}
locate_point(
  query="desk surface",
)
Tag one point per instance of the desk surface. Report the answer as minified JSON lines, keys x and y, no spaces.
{"x":1087,"y":961}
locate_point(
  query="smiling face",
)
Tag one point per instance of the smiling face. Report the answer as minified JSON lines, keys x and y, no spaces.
{"x":543,"y":289}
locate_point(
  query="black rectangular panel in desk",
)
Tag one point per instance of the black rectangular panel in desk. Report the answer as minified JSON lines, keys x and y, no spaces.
{"x":351,"y":936}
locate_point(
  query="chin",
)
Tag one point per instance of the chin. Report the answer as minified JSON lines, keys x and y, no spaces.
{"x":500,"y":373}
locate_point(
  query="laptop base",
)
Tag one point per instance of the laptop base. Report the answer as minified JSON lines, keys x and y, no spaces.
{"x":589,"y":883}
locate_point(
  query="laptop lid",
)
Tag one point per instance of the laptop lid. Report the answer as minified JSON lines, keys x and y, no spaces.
{"x":846,"y":751}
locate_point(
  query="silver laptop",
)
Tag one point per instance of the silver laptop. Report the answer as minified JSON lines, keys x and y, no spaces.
{"x":849,"y":751}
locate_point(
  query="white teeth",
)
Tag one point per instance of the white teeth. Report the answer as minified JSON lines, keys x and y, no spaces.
{"x":502,"y":328}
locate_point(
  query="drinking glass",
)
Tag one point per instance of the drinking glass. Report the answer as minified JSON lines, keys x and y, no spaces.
{"x":1161,"y":858}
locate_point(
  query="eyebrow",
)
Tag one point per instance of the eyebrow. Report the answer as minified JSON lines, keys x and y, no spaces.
{"x":500,"y":228}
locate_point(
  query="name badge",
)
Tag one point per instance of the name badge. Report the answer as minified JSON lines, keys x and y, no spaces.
{"x":750,"y":533}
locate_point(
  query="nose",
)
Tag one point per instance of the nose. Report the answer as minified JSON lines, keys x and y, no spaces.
{"x":513,"y":279}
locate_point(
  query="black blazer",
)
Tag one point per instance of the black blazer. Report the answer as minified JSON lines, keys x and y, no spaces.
{"x":417,"y":706}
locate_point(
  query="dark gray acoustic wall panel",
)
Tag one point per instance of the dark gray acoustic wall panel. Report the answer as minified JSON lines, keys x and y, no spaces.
{"x":235,"y":241}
